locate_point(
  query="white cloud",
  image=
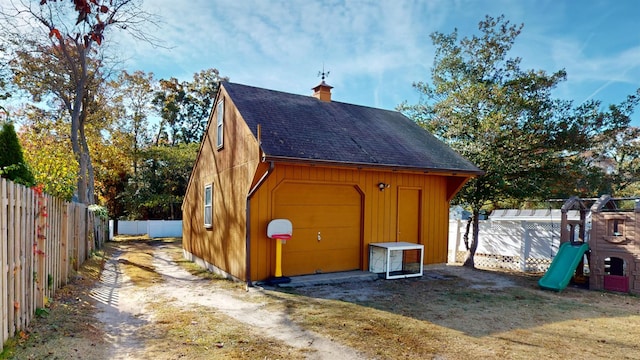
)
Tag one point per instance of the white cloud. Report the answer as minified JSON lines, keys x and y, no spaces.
{"x":356,"y":37}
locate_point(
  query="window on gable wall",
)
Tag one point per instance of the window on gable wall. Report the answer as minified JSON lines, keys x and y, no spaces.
{"x":220,"y":125}
{"x":208,"y":205}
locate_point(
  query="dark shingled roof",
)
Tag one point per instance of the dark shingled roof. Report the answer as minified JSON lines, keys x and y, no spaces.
{"x":303,"y":128}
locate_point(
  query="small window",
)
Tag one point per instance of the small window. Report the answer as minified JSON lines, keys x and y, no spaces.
{"x":208,"y":205}
{"x":616,"y":227}
{"x":615,"y":266}
{"x":220,"y":125}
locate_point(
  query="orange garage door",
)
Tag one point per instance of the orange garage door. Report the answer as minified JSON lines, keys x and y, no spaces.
{"x":326,"y":227}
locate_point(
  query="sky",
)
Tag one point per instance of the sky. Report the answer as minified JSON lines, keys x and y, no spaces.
{"x":374,"y":50}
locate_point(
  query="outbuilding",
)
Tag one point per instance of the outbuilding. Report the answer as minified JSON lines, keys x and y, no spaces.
{"x":344,"y":175}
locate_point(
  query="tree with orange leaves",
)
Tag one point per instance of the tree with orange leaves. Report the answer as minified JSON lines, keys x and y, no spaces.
{"x":73,"y":32}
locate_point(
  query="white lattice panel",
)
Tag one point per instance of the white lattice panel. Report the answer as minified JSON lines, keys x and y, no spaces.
{"x":490,"y":261}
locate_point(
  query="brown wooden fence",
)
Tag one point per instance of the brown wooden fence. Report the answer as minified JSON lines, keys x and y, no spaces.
{"x":42,"y":241}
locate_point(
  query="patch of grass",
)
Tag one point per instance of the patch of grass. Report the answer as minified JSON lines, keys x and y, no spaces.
{"x":451,"y":319}
{"x":202,"y":333}
{"x":136,"y":261}
{"x":9,"y":349}
{"x":389,"y":335}
{"x":125,"y":238}
{"x":174,"y":249}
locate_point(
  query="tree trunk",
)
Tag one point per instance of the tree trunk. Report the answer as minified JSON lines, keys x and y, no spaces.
{"x":466,"y":234}
{"x":79,"y":93}
{"x":89,"y":173}
{"x":471,"y":252}
{"x":82,"y":175}
{"x":87,"y":167}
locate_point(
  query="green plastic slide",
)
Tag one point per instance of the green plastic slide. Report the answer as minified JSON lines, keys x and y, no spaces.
{"x":563,"y":266}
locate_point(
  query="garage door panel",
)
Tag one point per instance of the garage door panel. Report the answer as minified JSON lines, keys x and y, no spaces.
{"x":316,"y":262}
{"x":314,"y":194}
{"x":335,"y":238}
{"x":334,"y":211}
{"x":302,"y":240}
{"x":330,"y":215}
{"x":339,"y":238}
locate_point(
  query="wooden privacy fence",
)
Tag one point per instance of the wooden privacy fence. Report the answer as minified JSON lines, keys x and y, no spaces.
{"x":42,"y":240}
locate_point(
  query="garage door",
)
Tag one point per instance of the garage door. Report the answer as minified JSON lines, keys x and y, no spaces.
{"x":326,"y":227}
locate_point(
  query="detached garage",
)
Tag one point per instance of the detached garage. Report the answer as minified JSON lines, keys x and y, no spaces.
{"x":344,"y":175}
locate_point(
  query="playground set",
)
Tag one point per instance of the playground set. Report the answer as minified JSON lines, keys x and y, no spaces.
{"x":612,"y":251}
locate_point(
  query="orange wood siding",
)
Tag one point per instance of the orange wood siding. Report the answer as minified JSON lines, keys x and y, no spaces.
{"x":379,"y":209}
{"x":231,"y":170}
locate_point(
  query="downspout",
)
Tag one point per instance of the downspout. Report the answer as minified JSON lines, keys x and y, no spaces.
{"x":248,"y":226}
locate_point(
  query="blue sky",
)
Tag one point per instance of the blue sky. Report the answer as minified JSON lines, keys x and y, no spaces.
{"x":375,"y":50}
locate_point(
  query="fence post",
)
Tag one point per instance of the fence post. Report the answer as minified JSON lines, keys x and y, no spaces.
{"x":4,"y":266}
{"x":454,"y":255}
{"x":88,"y":232}
{"x":21,"y":233}
{"x":30,"y":287}
{"x":524,"y":246}
{"x":11,"y":220}
{"x":64,"y":243}
{"x":40,"y":248}
{"x":80,"y":244}
{"x":19,"y":259}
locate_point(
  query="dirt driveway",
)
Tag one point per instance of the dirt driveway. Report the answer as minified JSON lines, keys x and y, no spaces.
{"x":125,"y":310}
{"x":148,"y":306}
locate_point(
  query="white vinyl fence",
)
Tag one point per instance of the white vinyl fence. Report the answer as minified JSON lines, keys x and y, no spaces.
{"x":154,"y":228}
{"x":511,"y":239}
{"x":524,"y":246}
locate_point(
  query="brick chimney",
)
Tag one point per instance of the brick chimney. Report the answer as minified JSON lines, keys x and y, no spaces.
{"x":322,"y":91}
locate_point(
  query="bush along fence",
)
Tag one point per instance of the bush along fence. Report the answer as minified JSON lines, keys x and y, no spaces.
{"x":42,"y":241}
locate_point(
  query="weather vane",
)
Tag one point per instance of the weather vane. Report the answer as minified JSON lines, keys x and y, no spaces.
{"x":323,"y":73}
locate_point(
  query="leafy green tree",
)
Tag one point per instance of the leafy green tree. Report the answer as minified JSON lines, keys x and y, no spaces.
{"x":134,"y":94}
{"x":130,"y":98}
{"x":12,"y":163}
{"x":157,"y":190}
{"x":617,"y":156}
{"x":184,"y":107}
{"x":111,"y":158}
{"x":46,"y":140}
{"x":44,"y":136}
{"x":504,"y":119}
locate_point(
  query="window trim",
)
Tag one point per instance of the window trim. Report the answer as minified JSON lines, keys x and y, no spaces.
{"x":209,"y":206}
{"x":220,"y":124}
